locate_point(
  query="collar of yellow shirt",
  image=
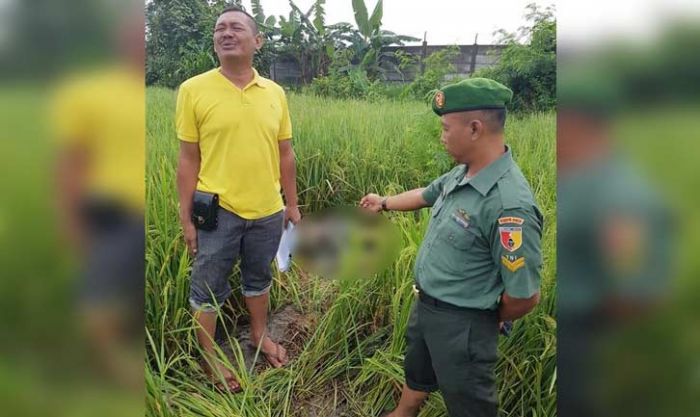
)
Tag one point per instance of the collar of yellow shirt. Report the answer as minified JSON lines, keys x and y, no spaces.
{"x":257,"y":79}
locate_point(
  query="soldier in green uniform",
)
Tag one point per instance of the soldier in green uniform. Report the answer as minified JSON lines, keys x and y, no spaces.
{"x":615,"y":250}
{"x":479,"y":264}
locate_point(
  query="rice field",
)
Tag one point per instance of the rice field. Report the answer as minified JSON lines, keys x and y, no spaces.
{"x":345,"y":337}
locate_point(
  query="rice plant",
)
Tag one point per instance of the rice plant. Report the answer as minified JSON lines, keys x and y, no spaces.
{"x":348,"y":335}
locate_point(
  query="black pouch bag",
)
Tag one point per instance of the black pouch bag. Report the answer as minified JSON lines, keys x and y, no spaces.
{"x":205,"y":208}
{"x":102,"y":214}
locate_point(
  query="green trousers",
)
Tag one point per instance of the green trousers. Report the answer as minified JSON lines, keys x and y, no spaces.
{"x":454,"y":351}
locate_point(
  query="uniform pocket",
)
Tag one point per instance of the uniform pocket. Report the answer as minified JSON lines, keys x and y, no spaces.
{"x":483,"y":342}
{"x":458,"y":236}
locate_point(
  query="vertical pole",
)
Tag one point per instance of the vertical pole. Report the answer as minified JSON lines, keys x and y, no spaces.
{"x":475,"y":49}
{"x":424,"y":52}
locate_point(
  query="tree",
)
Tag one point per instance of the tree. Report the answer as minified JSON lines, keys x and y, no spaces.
{"x":528,"y":63}
{"x":368,"y":46}
{"x":437,"y":66}
{"x":179,"y":40}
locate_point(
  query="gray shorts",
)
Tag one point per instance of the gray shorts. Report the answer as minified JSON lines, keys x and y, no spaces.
{"x":114,"y":268}
{"x":255,"y":242}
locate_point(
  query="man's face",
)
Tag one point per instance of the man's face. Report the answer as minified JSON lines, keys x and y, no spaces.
{"x":129,"y":39}
{"x":457,"y":135}
{"x":234,"y":36}
{"x":579,"y":137}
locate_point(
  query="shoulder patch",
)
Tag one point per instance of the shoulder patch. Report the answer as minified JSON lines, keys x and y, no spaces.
{"x":511,"y":238}
{"x":511,"y":220}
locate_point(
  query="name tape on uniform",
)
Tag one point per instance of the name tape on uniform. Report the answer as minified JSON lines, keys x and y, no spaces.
{"x":511,"y":220}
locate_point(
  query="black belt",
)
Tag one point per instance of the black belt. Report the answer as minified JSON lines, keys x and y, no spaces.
{"x":432,"y":301}
{"x":425,"y":298}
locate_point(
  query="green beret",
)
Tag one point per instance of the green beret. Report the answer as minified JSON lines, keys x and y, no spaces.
{"x":471,"y":94}
{"x":586,"y":89}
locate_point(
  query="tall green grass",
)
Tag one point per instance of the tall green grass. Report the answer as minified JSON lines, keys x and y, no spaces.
{"x":351,"y":358}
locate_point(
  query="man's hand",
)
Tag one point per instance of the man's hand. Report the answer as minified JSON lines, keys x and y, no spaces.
{"x":291,"y":214}
{"x":190,"y":233}
{"x":505,"y":327}
{"x":372,"y":202}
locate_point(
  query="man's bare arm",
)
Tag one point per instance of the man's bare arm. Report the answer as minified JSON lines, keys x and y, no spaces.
{"x":406,"y":201}
{"x":288,"y":180}
{"x":187,"y":175}
{"x":71,"y":175}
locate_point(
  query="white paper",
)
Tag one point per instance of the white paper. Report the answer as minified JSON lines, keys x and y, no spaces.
{"x":284,"y":252}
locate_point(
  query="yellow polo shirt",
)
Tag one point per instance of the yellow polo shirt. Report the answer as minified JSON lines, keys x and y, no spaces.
{"x":238,"y":132}
{"x":103,"y":112}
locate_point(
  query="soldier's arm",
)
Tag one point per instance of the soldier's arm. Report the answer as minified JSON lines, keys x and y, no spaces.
{"x":512,"y":308}
{"x":516,"y":249}
{"x":407,"y":201}
{"x":415,"y":199}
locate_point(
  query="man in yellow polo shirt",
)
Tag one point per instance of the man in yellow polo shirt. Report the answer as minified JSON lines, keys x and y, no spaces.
{"x":97,"y":120}
{"x":235,"y":135}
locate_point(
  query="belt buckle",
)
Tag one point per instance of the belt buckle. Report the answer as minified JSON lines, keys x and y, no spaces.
{"x":416,"y":291}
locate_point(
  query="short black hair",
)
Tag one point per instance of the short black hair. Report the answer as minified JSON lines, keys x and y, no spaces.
{"x":238,"y":9}
{"x":495,"y":119}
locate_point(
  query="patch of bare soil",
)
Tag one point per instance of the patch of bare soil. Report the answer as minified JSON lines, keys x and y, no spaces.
{"x":287,"y":326}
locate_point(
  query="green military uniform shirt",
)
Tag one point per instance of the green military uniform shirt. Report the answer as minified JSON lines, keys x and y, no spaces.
{"x":617,"y":245}
{"x":483,"y":238}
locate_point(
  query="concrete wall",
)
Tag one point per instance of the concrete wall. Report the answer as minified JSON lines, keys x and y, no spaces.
{"x":471,"y":58}
{"x":286,"y":71}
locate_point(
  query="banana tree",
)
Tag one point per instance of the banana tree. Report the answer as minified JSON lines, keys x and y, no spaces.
{"x":368,"y":46}
{"x":305,"y":37}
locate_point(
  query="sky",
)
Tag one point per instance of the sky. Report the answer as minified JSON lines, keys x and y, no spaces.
{"x":594,"y":22}
{"x":445,"y":21}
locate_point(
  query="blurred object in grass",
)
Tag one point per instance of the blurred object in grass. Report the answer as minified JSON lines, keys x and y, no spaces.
{"x":346,"y":243}
{"x":351,"y":360}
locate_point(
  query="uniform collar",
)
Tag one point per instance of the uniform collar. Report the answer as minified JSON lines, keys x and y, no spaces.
{"x":487,"y":177}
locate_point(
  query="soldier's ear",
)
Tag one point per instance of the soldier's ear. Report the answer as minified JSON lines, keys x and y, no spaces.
{"x":476,"y":128}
